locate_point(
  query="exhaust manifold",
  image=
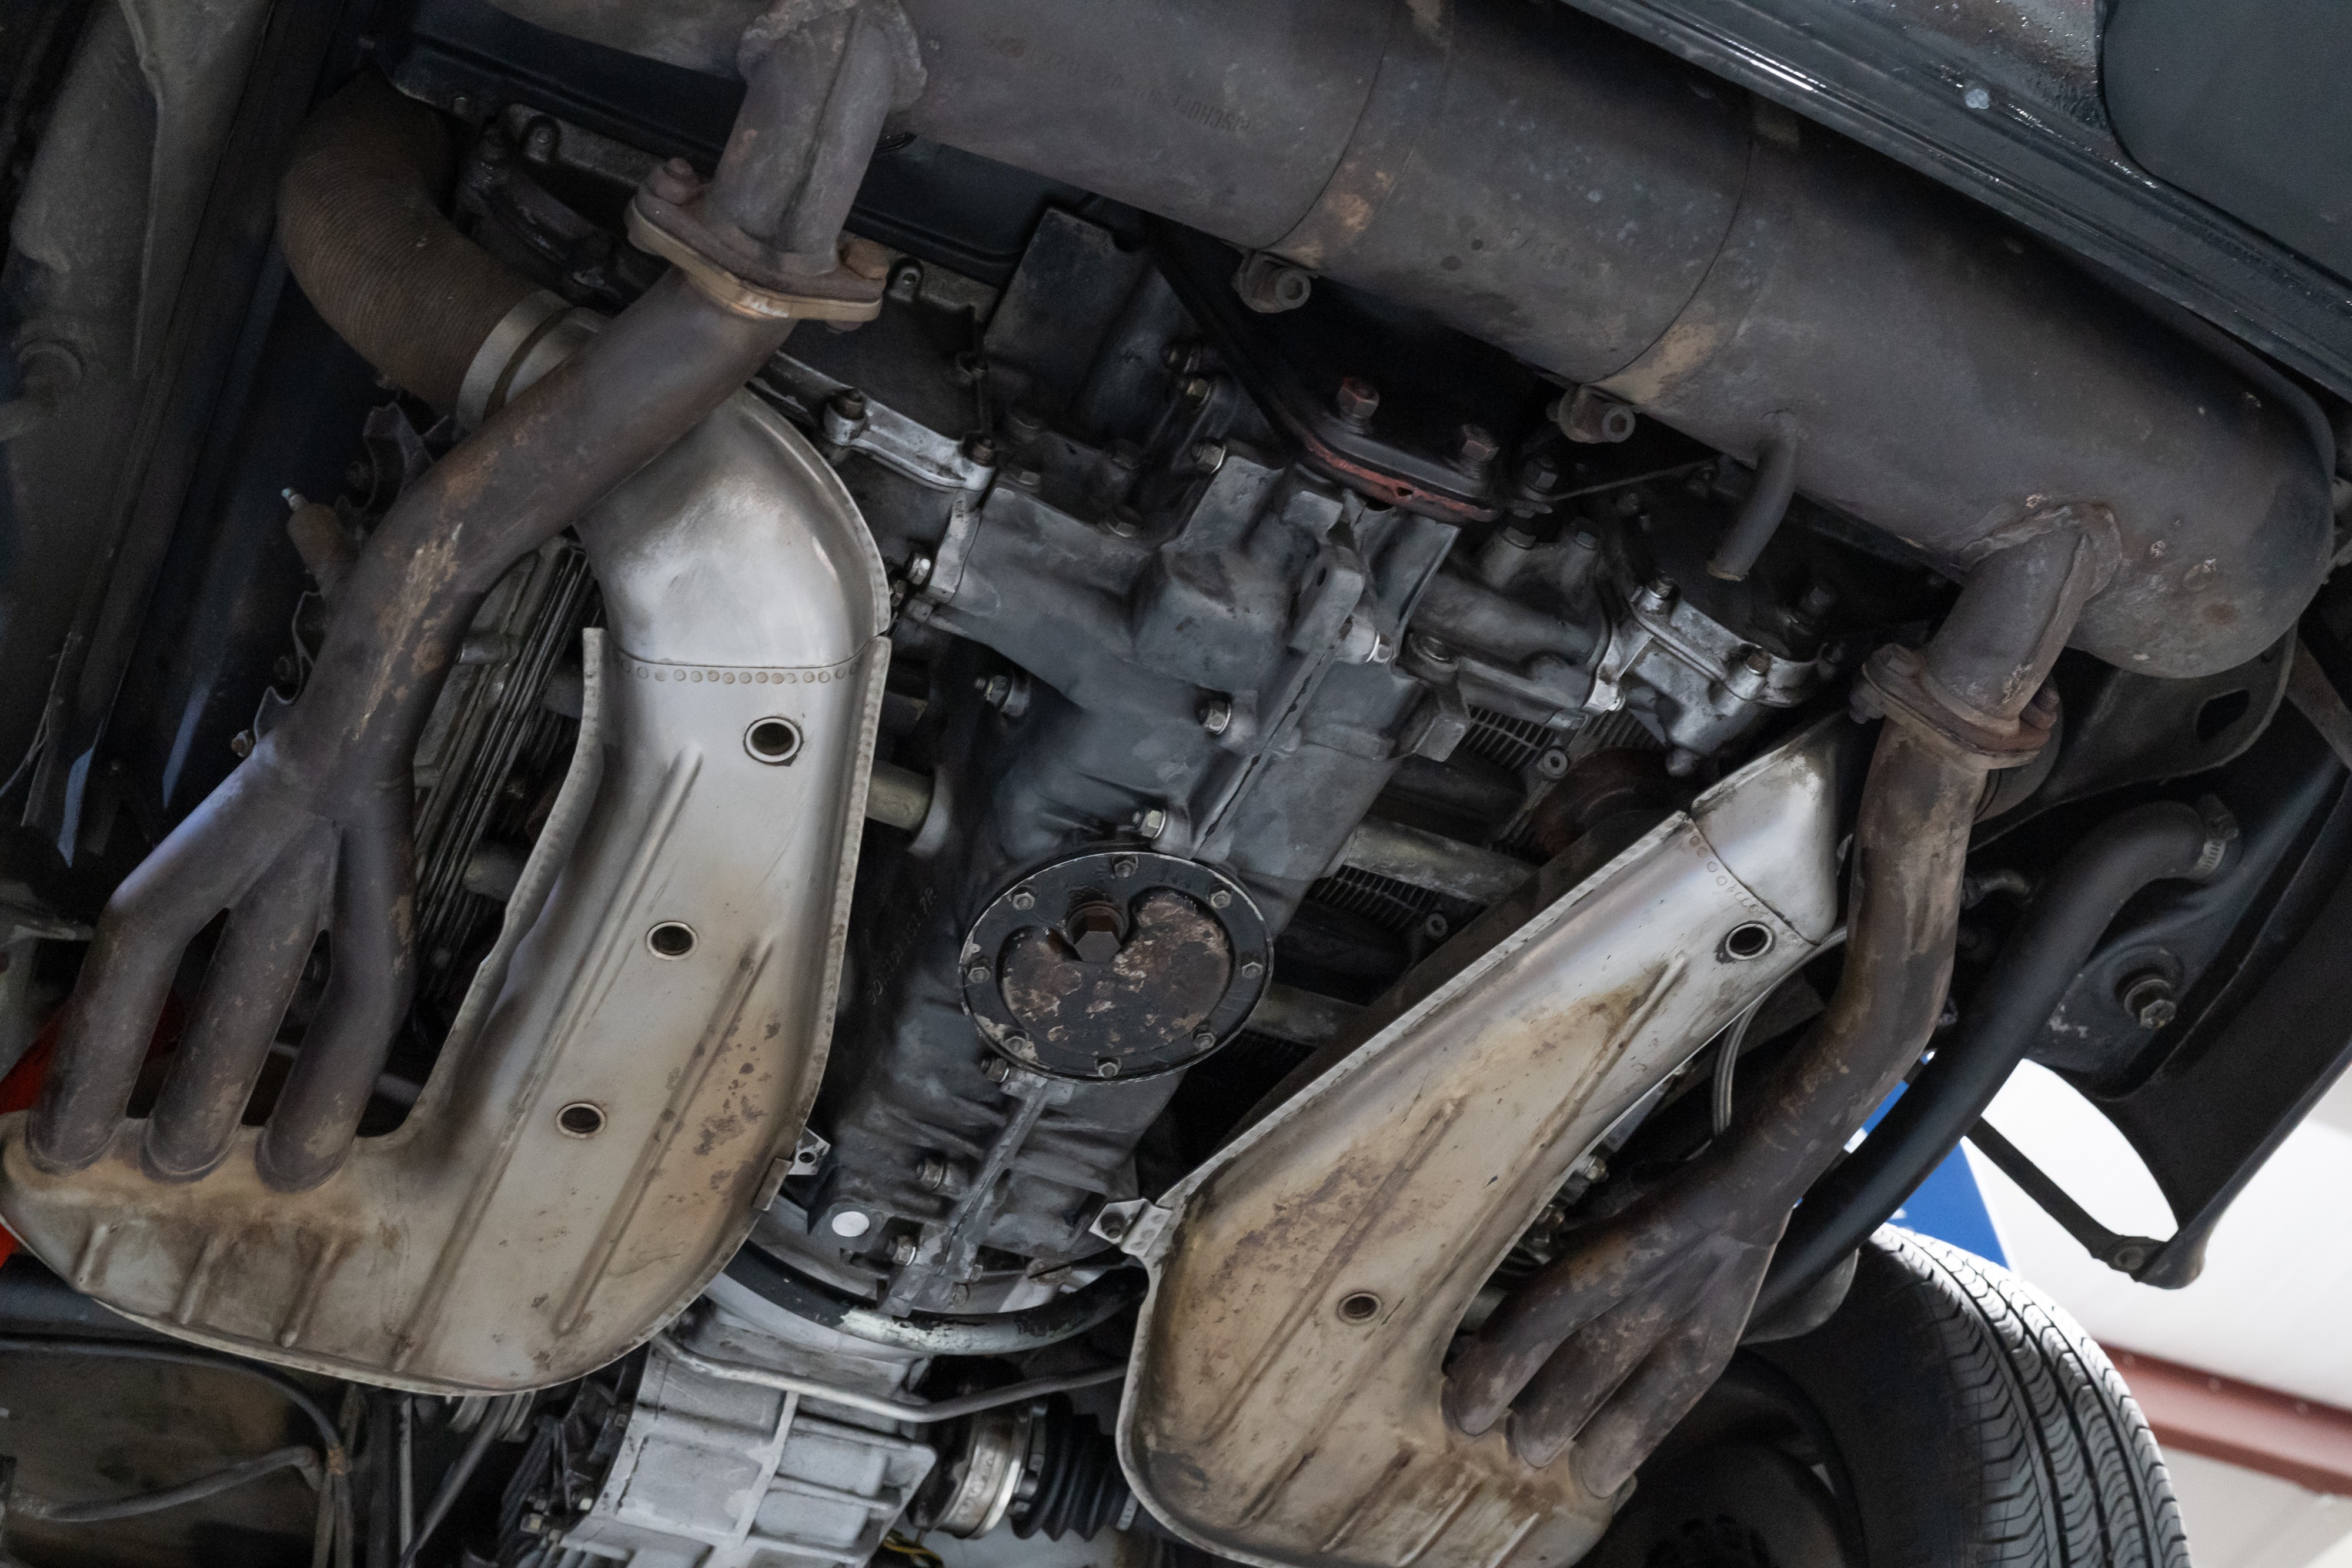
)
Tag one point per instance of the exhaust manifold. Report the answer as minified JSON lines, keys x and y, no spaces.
{"x":633,"y":1068}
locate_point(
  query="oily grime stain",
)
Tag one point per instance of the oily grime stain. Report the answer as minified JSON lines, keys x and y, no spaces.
{"x":1172,"y":969}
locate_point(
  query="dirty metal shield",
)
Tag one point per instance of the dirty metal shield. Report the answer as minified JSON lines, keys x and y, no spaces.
{"x":486,"y":1245}
{"x":1284,"y":1402}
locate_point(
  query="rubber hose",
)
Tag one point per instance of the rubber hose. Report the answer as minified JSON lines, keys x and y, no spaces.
{"x":203,"y":1487}
{"x":2166,"y":840}
{"x":363,"y":234}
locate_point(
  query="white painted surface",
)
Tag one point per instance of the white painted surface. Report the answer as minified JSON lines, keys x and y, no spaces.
{"x":2272,"y":1306}
{"x":2241,"y":1519}
{"x":2270,"y":1309}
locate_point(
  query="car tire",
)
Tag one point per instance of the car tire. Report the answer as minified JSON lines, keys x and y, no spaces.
{"x":1978,"y":1423}
{"x":1947,"y":1416}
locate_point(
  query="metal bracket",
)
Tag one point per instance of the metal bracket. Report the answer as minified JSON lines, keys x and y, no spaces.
{"x":899,"y":444}
{"x":1138,"y":1228}
{"x":2124,"y":1254}
{"x":809,"y":1153}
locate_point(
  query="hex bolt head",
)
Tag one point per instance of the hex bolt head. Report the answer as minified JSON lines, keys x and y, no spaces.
{"x":979,"y":450}
{"x":1356,"y":401}
{"x":1657,"y":595}
{"x":1552,"y":763}
{"x":1023,"y":899}
{"x":1220,"y":899}
{"x":539,"y":139}
{"x":2150,"y":999}
{"x":996,"y":1070}
{"x":1208,"y":457}
{"x":1216,"y":715}
{"x":1475,"y":449}
{"x":1204,"y":1039}
{"x":932,"y":1172}
{"x":1151,"y":822}
{"x":1094,"y":932}
{"x":1758,"y":662}
{"x":1125,"y":865}
{"x":1423,"y":646}
{"x":1593,"y":417}
{"x":918,"y":569}
{"x":850,"y":403}
{"x":978,"y":974}
{"x":1106,"y":1067}
{"x":1252,"y":968}
{"x":902,"y":1250}
{"x":675,"y":181}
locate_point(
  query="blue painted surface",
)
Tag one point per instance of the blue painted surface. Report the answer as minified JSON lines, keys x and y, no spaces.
{"x":1948,"y":1206}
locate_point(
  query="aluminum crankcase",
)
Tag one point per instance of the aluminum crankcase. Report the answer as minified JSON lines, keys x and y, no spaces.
{"x":582,"y":1163}
{"x":1283,"y":1404}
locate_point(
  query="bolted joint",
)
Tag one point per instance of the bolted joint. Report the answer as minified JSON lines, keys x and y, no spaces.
{"x":1356,"y":401}
{"x":1475,"y":450}
{"x":1594,"y":418}
{"x":845,"y":417}
{"x":2150,"y":998}
{"x":1095,"y":931}
{"x":676,"y":182}
{"x":1269,"y":284}
{"x":1895,"y":685}
{"x":1980,"y":689}
{"x":763,"y":237}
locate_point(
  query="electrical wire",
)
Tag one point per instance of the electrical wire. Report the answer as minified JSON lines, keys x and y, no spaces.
{"x":1726,"y":1065}
{"x":334,"y":1495}
{"x":301,"y":1457}
{"x":444,"y":1496}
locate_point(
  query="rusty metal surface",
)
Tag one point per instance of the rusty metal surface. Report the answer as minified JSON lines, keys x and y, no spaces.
{"x":1307,"y":1281}
{"x":487,"y":1244}
{"x":1143,"y":996}
{"x":1603,"y":1351}
{"x":1115,"y":964}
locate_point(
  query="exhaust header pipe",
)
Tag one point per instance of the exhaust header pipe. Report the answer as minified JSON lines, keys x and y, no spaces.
{"x":656,"y":1053}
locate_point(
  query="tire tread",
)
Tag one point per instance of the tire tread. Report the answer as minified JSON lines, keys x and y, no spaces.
{"x":2017,"y":1444}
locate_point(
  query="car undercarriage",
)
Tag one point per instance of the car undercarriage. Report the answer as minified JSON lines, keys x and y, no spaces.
{"x":802,"y":777}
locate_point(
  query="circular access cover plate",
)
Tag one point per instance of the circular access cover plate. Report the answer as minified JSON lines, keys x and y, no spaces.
{"x":1115,"y":964}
